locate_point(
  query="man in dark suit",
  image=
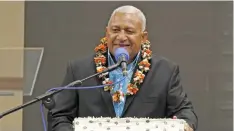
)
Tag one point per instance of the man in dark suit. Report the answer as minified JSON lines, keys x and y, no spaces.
{"x":152,"y":88}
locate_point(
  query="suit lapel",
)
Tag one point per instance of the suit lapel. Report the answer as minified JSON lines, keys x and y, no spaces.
{"x":108,"y":101}
{"x":128,"y":102}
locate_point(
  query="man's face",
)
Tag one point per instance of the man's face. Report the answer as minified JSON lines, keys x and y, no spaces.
{"x":125,"y":30}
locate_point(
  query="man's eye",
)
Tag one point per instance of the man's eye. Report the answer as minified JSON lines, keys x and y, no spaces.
{"x":115,"y":30}
{"x":130,"y":31}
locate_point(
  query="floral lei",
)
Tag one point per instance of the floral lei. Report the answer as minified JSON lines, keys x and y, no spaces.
{"x":143,"y":68}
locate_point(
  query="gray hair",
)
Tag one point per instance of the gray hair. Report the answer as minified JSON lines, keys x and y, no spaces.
{"x":131,"y":9}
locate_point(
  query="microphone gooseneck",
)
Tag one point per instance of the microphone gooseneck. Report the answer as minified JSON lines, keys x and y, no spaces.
{"x":122,"y":57}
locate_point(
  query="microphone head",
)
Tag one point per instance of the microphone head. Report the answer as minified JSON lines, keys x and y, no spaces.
{"x":120,"y":52}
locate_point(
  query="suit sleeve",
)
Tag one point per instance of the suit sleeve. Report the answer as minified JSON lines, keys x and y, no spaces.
{"x":66,"y":106}
{"x":178,"y":103}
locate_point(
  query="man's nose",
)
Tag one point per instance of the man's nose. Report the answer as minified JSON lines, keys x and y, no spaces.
{"x":122,"y":36}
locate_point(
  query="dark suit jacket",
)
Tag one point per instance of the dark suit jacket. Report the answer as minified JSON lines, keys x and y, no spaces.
{"x":161,"y":95}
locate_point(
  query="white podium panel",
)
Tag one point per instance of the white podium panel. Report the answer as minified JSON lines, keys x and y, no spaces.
{"x":127,"y":124}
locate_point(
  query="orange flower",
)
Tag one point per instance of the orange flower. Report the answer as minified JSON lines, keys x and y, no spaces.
{"x":103,"y":40}
{"x":101,"y":59}
{"x":132,"y":89}
{"x":139,"y":77}
{"x":101,"y":47}
{"x":148,"y":51}
{"x":109,"y":82}
{"x":100,"y":69}
{"x":139,"y":74}
{"x":144,"y":63}
{"x":117,"y":96}
{"x":108,"y":88}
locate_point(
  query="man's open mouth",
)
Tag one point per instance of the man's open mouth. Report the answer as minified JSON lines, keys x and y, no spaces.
{"x":123,"y":45}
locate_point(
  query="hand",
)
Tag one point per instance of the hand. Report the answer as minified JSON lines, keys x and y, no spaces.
{"x":186,"y":125}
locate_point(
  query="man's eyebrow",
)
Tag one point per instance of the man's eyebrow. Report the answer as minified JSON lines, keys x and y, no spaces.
{"x":114,"y":25}
{"x":117,"y":26}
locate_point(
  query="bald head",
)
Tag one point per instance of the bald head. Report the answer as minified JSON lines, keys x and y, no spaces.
{"x":133,"y":10}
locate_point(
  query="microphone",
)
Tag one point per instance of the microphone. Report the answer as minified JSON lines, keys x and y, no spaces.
{"x":122,"y":56}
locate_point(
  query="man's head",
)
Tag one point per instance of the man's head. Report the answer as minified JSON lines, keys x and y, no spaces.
{"x":126,"y":28}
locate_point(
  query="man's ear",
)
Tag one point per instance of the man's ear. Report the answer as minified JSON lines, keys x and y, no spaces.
{"x":144,"y":36}
{"x":106,"y":31}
